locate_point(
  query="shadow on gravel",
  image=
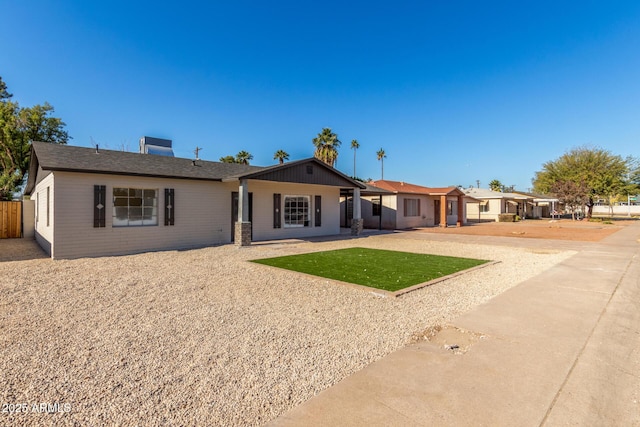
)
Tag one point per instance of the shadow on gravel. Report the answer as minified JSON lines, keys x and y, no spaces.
{"x":20,"y":250}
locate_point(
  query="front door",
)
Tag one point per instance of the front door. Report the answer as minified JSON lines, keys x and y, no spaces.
{"x":235,"y":197}
{"x":436,"y":212}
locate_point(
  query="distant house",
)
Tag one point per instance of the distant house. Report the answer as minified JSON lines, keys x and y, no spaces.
{"x":401,"y":205}
{"x":490,"y":204}
{"x":94,"y":202}
{"x":542,"y":206}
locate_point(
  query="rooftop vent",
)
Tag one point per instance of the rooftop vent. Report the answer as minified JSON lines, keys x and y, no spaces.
{"x":157,"y":146}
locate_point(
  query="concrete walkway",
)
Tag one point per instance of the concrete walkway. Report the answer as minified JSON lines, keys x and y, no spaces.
{"x":560,"y":349}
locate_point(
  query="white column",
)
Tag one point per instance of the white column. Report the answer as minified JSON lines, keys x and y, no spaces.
{"x":243,"y":201}
{"x":357,"y":204}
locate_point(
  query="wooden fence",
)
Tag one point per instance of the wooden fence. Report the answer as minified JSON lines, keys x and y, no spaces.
{"x":10,"y":220}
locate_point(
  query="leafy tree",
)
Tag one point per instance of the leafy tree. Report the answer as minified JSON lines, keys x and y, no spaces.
{"x":571,"y":194}
{"x":228,"y":159}
{"x":281,"y":156}
{"x":496,"y":185}
{"x":326,"y":144}
{"x":354,"y":146}
{"x":243,"y":157}
{"x":381,"y":155}
{"x":18,"y":127}
{"x":3,"y":90}
{"x":602,"y":173}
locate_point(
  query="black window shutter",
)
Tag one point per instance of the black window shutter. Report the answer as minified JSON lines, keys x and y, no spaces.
{"x":318,"y":206}
{"x":169,"y":206}
{"x":99,"y":207}
{"x":276,"y":210}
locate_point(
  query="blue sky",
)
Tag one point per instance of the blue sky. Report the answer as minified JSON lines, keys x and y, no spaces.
{"x":454,"y":92}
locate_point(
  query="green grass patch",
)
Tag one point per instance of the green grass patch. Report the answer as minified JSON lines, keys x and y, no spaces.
{"x":381,"y":269}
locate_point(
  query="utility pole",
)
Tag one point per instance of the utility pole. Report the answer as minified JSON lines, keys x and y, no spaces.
{"x":478,"y":183}
{"x":197,"y":151}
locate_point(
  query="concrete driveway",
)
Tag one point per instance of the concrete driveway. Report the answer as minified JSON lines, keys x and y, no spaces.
{"x":562,"y":348}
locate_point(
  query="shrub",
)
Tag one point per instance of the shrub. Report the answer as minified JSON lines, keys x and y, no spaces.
{"x":507,"y":217}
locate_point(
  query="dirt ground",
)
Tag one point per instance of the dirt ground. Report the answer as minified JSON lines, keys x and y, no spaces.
{"x":562,"y":229}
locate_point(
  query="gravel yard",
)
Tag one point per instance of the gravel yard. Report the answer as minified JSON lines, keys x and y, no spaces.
{"x":203,"y":337}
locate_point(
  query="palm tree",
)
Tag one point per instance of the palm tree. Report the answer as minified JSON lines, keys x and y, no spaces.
{"x":354,"y":145}
{"x":228,"y":159}
{"x":381,"y":155}
{"x":495,"y":185}
{"x":281,"y":155}
{"x":243,"y":157}
{"x":326,"y":144}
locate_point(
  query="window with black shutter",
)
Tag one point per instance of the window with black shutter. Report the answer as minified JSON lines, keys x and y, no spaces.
{"x":277,"y":200}
{"x":99,"y":208}
{"x":169,"y":206}
{"x":318,"y":208}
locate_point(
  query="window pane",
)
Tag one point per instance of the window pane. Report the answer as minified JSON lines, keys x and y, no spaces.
{"x":135,"y":206}
{"x":296,"y":211}
{"x":120,"y":201}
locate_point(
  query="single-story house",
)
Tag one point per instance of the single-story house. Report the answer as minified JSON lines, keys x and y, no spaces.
{"x":401,"y":205}
{"x":94,"y":202}
{"x":542,"y":206}
{"x":490,"y":204}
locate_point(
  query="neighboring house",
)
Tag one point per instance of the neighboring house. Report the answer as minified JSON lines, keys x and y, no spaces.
{"x":400,"y":205}
{"x":541,"y":206}
{"x":490,"y":204}
{"x":91,"y":202}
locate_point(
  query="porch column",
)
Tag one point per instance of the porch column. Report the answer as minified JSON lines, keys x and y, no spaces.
{"x":461,"y":218}
{"x":357,"y":223}
{"x":443,"y":211}
{"x":243,"y":226}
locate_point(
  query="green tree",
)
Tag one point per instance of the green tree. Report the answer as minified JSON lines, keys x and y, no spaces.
{"x":354,"y":146}
{"x":4,"y":94}
{"x":281,"y":156}
{"x":381,"y":156}
{"x":243,"y":157}
{"x":495,"y":185}
{"x":572,"y":194}
{"x":18,"y":127}
{"x":326,"y":144}
{"x":228,"y":159}
{"x":602,"y":173}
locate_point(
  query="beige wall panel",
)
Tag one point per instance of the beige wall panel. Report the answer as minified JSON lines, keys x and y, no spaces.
{"x":263,"y":210}
{"x":202,"y":216}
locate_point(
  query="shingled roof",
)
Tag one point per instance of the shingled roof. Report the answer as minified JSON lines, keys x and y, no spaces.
{"x":399,"y":187}
{"x":56,"y":157}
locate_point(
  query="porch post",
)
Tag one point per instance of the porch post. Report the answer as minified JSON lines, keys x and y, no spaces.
{"x":443,"y":211}
{"x":357,"y":223}
{"x":243,"y":226}
{"x":380,"y":217}
{"x":461,"y":218}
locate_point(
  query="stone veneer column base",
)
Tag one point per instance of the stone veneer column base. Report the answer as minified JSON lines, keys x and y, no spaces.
{"x":356,"y":226}
{"x":242,"y":234}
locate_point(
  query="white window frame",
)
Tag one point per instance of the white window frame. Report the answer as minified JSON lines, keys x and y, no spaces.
{"x":298,"y":214}
{"x":135,"y":213}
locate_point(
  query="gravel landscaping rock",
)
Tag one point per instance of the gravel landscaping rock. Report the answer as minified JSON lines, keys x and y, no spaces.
{"x":203,"y":337}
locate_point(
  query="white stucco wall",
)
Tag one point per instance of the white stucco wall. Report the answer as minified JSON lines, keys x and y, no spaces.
{"x":494,"y":209}
{"x":44,"y":232}
{"x":203,"y":214}
{"x":263,"y":210}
